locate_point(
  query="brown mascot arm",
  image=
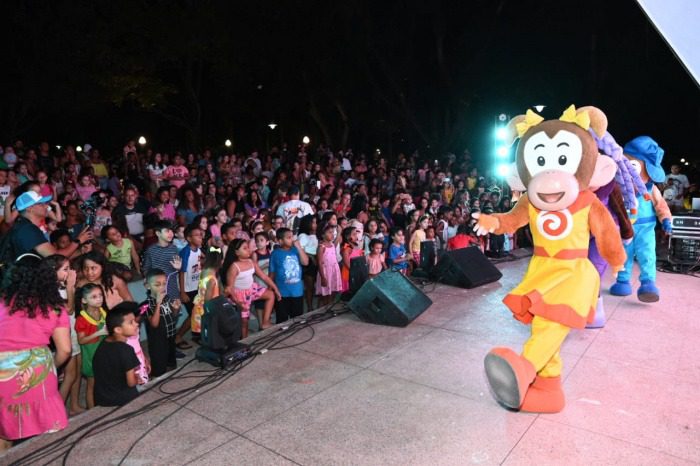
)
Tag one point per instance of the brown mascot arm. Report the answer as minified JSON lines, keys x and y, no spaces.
{"x":617,"y":205}
{"x":517,"y":217}
{"x":662,"y":210}
{"x":607,"y":236}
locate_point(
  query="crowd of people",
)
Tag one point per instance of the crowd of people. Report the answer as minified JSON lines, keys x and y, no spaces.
{"x":273,"y":233}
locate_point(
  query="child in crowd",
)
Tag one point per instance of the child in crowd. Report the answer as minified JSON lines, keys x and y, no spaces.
{"x":398,"y":260}
{"x":462,"y":239}
{"x":115,"y":362}
{"x":207,"y":289}
{"x":162,"y":315}
{"x":164,"y":256}
{"x":228,"y":234}
{"x":418,"y":237}
{"x":242,"y":289}
{"x":285,"y":269}
{"x":91,"y":330}
{"x":375,"y":259}
{"x":349,"y":249}
{"x":70,"y":386}
{"x":262,"y":257}
{"x":134,"y":341}
{"x":121,"y":253}
{"x":371,"y":232}
{"x":60,"y":239}
{"x":86,"y":187}
{"x":179,"y":241}
{"x":189,"y":277}
{"x":329,"y":280}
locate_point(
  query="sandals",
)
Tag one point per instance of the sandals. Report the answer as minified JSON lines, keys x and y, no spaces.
{"x":183,"y":345}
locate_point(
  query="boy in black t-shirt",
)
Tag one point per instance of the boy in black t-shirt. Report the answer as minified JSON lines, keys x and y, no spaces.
{"x":115,"y":362}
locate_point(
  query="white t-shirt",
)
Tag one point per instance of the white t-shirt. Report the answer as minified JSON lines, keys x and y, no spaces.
{"x":309,"y":243}
{"x":680,"y":181}
{"x":192,"y":271}
{"x":4,"y":192}
{"x":292,"y":210}
{"x":134,"y":222}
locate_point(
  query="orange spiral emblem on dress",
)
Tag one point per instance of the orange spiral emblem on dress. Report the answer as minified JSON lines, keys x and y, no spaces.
{"x":555,"y":224}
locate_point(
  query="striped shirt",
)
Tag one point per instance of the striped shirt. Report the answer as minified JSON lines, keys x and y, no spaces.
{"x":157,"y":257}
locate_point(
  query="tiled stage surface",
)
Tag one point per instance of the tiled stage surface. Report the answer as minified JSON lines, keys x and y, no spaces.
{"x":364,"y":394}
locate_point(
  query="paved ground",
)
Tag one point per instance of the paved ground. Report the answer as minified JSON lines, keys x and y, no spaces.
{"x":364,"y":394}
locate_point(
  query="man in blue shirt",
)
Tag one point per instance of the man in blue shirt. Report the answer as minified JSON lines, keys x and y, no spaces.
{"x":285,"y":270}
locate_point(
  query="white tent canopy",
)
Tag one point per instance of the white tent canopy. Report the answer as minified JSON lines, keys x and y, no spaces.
{"x":678,"y":21}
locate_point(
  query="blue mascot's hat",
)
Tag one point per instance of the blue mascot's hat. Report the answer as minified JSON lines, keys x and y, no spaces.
{"x":648,"y":151}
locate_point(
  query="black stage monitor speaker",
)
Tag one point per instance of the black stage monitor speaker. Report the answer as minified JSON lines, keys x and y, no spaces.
{"x":428,"y":255}
{"x":359,"y":273}
{"x":221,"y":324}
{"x":389,"y":299}
{"x":466,"y":268}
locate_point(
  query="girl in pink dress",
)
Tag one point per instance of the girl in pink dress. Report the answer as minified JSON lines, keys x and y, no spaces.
{"x":31,"y":312}
{"x":328,"y":279}
{"x":375,"y":260}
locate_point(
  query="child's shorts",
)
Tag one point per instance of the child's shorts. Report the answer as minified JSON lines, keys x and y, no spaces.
{"x":247,"y":297}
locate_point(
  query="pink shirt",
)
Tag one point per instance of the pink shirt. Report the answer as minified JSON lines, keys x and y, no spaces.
{"x":85,"y":191}
{"x":180,"y":171}
{"x":19,"y":332}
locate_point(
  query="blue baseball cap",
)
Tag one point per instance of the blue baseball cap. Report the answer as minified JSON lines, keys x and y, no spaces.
{"x":30,"y":198}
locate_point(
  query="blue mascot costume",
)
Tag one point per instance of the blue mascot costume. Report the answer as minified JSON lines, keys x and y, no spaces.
{"x":645,"y":156}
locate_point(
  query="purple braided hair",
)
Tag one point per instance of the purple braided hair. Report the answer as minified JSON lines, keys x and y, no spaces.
{"x":626,"y":176}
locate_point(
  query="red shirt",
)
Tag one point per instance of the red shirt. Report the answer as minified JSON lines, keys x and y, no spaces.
{"x":460,"y":241}
{"x":87,"y":325}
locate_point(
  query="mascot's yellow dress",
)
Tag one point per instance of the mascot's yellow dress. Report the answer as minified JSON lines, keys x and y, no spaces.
{"x":561,"y":284}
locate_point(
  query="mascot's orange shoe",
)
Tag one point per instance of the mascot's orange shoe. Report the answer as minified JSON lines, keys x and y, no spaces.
{"x":510,"y":376}
{"x":544,"y":396}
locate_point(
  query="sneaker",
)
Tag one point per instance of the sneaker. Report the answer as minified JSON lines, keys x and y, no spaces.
{"x":180,"y":355}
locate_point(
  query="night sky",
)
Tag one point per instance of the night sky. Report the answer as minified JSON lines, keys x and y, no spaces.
{"x":398,"y":75}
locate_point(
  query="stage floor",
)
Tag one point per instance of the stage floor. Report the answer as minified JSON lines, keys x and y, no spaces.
{"x":363,"y":394}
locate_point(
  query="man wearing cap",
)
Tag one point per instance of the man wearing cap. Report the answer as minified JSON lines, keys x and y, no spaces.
{"x":26,"y":235}
{"x":294,"y":209}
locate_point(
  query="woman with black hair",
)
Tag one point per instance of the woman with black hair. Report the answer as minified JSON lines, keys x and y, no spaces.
{"x":96,"y":269}
{"x":31,"y":312}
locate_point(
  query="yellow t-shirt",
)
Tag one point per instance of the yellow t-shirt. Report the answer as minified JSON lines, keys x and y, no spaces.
{"x":418,"y":237}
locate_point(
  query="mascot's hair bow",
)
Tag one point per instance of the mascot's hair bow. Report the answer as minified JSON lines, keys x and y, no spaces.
{"x":581,"y":119}
{"x":531,"y":119}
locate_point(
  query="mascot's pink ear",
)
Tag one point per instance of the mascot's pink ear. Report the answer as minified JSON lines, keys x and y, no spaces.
{"x":604,"y":171}
{"x":513,"y":179}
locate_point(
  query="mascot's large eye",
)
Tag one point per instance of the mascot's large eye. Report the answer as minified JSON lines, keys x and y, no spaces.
{"x":563,"y":152}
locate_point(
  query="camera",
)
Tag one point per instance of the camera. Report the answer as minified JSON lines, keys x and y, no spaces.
{"x":90,"y":206}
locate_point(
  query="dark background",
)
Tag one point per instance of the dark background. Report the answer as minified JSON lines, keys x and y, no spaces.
{"x":398,"y":75}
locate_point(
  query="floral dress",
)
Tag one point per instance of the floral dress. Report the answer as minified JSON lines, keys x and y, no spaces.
{"x":30,"y":403}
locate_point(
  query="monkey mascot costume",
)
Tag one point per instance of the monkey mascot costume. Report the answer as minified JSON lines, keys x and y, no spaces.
{"x":557,"y":162}
{"x":645,"y":155}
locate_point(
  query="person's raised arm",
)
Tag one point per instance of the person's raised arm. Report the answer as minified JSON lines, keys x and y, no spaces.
{"x":303,"y":257}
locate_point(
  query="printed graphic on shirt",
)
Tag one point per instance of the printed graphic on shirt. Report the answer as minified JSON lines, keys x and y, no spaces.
{"x":292,"y":270}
